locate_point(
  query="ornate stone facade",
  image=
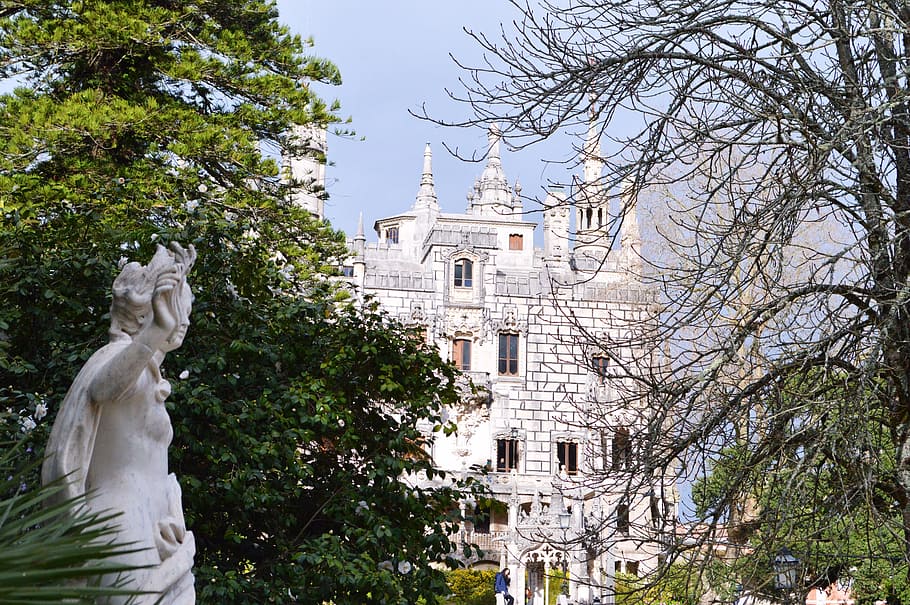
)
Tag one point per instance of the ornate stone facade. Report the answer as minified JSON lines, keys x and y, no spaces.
{"x":519,"y":321}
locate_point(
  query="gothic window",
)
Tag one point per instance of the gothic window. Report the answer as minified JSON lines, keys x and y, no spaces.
{"x":600,"y":217}
{"x":508,"y":354}
{"x":622,"y":518}
{"x":622,"y":449}
{"x":461,"y":354}
{"x":464,"y":273}
{"x":391,"y":235}
{"x":601,"y":366}
{"x":516,"y":241}
{"x":506,"y":455}
{"x":567,"y":456}
{"x":588,"y":214}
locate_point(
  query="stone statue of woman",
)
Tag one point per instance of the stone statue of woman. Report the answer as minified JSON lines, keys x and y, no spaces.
{"x":110,"y":438}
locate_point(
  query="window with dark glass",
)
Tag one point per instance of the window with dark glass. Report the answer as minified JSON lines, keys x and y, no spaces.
{"x":516,"y":241}
{"x":347,"y":271}
{"x":506,"y":454}
{"x":508,"y":354}
{"x":622,"y":449}
{"x":622,"y":518}
{"x":601,"y":365}
{"x":391,"y":235}
{"x":461,"y":354}
{"x":632,"y":568}
{"x":567,"y":456}
{"x":464,"y":270}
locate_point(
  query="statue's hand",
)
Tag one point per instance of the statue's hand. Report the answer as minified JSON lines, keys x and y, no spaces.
{"x":165,"y":317}
{"x":171,"y":532}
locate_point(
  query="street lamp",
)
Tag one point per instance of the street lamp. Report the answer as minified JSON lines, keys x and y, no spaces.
{"x":786,"y":571}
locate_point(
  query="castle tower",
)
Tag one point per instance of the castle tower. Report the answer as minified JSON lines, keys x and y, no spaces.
{"x":556,"y":226}
{"x":592,"y":205}
{"x":304,"y":167}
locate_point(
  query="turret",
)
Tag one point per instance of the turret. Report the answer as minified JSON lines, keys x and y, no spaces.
{"x":556,"y":226}
{"x":492,"y":196}
{"x":305,"y":167}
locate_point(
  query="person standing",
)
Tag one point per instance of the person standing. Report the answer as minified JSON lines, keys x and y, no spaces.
{"x":501,"y":586}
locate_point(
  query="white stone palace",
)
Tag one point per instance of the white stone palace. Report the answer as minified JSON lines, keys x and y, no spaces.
{"x":521,"y":322}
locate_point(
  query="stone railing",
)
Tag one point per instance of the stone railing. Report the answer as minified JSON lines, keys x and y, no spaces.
{"x":491,"y":543}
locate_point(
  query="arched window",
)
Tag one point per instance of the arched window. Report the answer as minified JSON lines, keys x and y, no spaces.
{"x":600,"y":217}
{"x":601,"y":366}
{"x":464,"y":273}
{"x":588,"y":215}
{"x":516,"y":241}
{"x":391,"y":235}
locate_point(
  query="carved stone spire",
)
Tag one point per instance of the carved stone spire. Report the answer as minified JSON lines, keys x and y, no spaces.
{"x":494,"y":196}
{"x":426,"y":195}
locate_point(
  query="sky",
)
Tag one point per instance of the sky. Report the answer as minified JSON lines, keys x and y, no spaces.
{"x":394,"y":56}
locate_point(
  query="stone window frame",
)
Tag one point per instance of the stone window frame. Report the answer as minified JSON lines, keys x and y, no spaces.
{"x":571,"y":438}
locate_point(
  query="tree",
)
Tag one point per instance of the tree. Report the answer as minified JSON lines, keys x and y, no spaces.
{"x":299,"y":420}
{"x":783,"y":130}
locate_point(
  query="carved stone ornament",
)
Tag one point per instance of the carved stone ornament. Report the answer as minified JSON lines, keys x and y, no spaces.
{"x":111,"y":436}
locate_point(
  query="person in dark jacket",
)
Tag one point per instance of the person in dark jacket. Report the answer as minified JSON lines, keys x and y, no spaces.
{"x":501,"y":585}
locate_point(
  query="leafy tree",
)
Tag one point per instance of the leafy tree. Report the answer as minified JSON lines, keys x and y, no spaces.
{"x":299,"y":420}
{"x":781,"y":132}
{"x":471,"y":586}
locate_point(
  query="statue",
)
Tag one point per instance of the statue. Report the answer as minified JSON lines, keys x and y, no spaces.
{"x":111,"y":435}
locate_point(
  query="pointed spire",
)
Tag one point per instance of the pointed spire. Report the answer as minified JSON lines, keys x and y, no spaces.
{"x":593,"y":163}
{"x":426,"y":195}
{"x":494,"y":136}
{"x":493,"y":194}
{"x":360,"y":233}
{"x":360,"y":239}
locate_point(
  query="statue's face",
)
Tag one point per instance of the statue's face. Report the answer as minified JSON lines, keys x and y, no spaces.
{"x":184,"y":306}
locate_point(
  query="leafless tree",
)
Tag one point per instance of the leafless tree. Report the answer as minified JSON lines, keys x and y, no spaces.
{"x":782,"y":128}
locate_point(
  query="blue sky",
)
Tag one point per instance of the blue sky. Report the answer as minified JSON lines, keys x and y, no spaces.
{"x":394,"y":56}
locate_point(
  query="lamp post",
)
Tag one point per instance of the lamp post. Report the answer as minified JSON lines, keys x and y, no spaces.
{"x":786,"y":572}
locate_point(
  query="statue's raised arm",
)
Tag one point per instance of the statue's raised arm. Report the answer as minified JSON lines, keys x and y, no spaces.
{"x":111,"y":436}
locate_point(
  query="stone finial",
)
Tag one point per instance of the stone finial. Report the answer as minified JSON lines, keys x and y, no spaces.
{"x":426,"y":195}
{"x":493,"y":195}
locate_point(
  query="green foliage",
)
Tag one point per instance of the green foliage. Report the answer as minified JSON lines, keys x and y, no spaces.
{"x":678,"y":585}
{"x":300,"y":423}
{"x":471,"y":586}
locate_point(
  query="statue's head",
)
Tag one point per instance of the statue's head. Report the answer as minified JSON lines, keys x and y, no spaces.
{"x":136,"y":284}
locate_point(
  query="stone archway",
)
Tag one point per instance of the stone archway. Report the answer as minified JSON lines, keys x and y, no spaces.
{"x":538,"y":562}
